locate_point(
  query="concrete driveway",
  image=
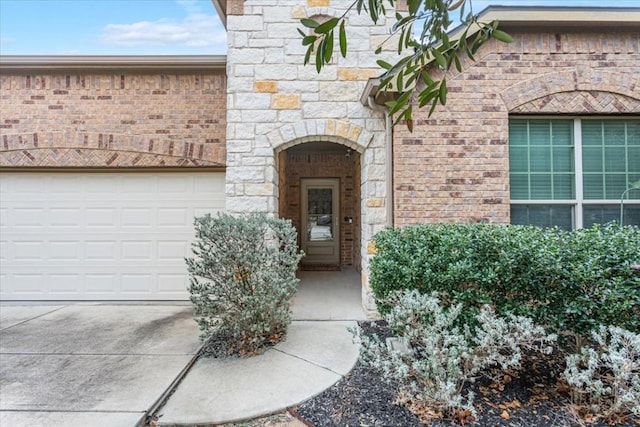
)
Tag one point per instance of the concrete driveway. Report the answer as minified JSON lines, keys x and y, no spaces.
{"x":90,"y":364}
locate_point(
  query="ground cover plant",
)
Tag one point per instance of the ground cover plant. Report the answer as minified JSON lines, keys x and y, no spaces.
{"x":529,"y":397}
{"x":242,"y":279}
{"x":474,"y":302}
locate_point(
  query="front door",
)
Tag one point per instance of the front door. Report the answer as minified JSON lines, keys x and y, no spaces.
{"x":320,"y":234}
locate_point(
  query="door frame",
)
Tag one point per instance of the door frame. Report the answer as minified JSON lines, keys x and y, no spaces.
{"x":335,"y":243}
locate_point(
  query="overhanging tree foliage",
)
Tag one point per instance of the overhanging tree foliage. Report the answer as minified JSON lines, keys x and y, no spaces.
{"x":418,"y":49}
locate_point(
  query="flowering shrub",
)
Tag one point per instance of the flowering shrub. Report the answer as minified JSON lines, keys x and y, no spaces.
{"x":243,"y":277}
{"x":607,"y":377}
{"x":445,"y":353}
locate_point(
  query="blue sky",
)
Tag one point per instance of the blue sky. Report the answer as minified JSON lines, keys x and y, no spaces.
{"x":143,"y":27}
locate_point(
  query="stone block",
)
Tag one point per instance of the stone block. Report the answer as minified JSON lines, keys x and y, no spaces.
{"x":375,"y":202}
{"x":371,"y":248}
{"x":282,"y":101}
{"x":338,"y":91}
{"x":276,"y":72}
{"x":245,"y":56}
{"x":265,"y":86}
{"x":298,"y":12}
{"x":357,"y":73}
{"x":318,"y":3}
{"x":261,"y":189}
{"x":324,"y":110}
{"x":252,"y":101}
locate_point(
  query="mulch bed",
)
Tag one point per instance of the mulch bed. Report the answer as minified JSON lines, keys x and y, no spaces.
{"x":530,"y":399}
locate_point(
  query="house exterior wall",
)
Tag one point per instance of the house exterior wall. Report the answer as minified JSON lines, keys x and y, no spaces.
{"x":115,"y":119}
{"x":454,"y":167}
{"x":275,"y":102}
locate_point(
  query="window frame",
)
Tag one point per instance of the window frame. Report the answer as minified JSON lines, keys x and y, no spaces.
{"x":578,"y":203}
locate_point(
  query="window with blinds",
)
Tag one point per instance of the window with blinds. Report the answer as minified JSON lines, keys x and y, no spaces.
{"x":571,"y":172}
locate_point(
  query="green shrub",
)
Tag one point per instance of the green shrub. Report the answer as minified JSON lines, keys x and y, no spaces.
{"x":443,"y":354}
{"x":243,"y":277}
{"x":566,"y":281}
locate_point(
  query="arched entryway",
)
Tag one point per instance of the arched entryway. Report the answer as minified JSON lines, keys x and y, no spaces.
{"x":319,"y":191}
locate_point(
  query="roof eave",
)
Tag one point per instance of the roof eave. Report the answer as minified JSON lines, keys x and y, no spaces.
{"x":98,"y":63}
{"x":221,"y":9}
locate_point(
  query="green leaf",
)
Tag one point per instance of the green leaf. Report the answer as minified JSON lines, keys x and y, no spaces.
{"x":384,"y":64}
{"x":343,"y":40}
{"x":373,"y":11}
{"x":308,"y":40}
{"x":309,"y":23}
{"x":319,"y":56}
{"x":328,"y":53}
{"x":456,"y":60}
{"x":307,"y":56}
{"x":327,"y":26}
{"x":400,"y":102}
{"x":442,"y":95}
{"x":502,"y":36}
{"x":440,"y":59}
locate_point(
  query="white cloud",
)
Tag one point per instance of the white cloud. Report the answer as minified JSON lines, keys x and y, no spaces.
{"x":195,"y":30}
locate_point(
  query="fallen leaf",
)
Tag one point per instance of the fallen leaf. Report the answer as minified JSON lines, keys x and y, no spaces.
{"x":505,"y":415}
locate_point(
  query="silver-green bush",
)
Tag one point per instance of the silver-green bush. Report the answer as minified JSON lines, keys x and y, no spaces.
{"x":607,"y":376}
{"x":243,"y":278}
{"x":445,"y":353}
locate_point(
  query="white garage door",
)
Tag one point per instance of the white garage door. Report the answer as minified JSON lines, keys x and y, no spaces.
{"x":100,"y":236}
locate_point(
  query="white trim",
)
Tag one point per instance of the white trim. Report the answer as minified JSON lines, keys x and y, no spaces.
{"x":577,"y":174}
{"x":43,"y":63}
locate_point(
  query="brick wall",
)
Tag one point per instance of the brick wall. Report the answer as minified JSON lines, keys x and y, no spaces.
{"x":300,"y":164}
{"x":112,"y":120}
{"x":454,"y":167}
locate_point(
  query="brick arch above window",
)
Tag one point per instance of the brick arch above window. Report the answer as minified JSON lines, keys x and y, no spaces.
{"x":575,"y":91}
{"x":581,"y":102}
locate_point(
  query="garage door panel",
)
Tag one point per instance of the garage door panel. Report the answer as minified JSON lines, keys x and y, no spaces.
{"x":137,"y":250}
{"x":65,"y":217}
{"x":172,"y":217}
{"x":61,"y":250}
{"x":103,"y":286}
{"x":100,"y":237}
{"x":100,"y":250}
{"x":137,"y":217}
{"x":173,"y":250}
{"x":63,"y":284}
{"x":101,"y":217}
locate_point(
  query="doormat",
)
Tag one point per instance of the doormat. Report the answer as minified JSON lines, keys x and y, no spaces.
{"x":320,"y":267}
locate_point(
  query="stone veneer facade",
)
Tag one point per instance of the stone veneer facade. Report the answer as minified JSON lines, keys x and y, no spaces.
{"x":96,"y":119}
{"x":454,"y":167}
{"x":275,"y":102}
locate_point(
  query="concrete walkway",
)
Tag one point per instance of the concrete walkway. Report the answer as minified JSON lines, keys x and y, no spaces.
{"x":90,"y":364}
{"x":317,"y":352}
{"x":113,"y":365}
